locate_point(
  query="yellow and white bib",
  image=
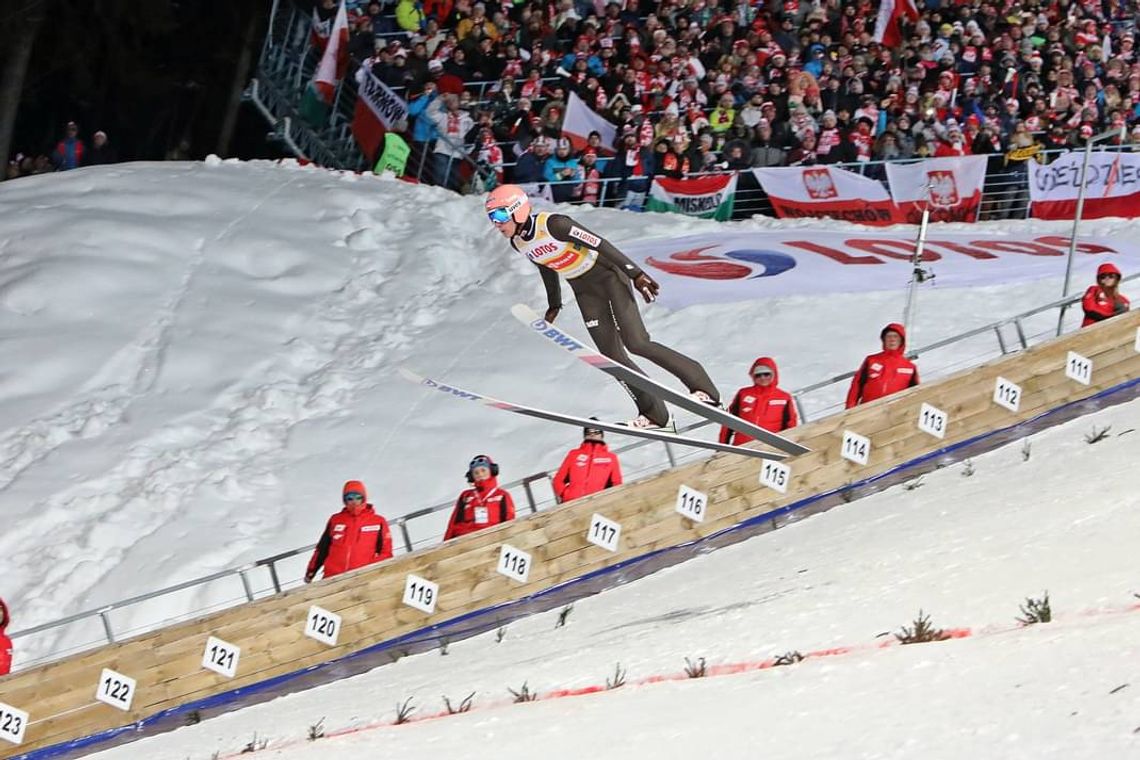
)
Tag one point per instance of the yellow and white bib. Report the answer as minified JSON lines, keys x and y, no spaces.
{"x":567,"y":259}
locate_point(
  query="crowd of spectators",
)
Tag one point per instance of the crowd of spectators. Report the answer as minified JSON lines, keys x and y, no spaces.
{"x":71,"y":152}
{"x":705,"y":85}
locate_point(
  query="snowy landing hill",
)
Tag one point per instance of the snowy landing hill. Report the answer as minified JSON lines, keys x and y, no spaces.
{"x":198,"y":355}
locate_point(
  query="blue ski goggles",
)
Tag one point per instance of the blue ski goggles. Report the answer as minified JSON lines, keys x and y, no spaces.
{"x":499,"y":215}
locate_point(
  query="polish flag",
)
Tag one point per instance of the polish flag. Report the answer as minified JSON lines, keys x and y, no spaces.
{"x":581,"y":120}
{"x":888,"y":30}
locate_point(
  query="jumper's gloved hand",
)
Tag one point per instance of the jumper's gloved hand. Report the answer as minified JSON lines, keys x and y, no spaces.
{"x":647,"y":286}
{"x":552,"y":313}
{"x":308,"y":577}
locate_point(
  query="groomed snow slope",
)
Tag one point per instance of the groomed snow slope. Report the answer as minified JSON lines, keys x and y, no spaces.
{"x":968,"y":550}
{"x":198,"y":355}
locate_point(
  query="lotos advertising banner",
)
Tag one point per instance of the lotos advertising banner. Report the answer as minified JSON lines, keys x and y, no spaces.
{"x":710,"y":197}
{"x":378,"y":110}
{"x":954,"y":186}
{"x":741,"y":266}
{"x":826,"y":192}
{"x":1112,"y":186}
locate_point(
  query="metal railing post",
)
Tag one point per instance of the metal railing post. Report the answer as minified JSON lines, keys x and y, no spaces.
{"x":1001,"y":340}
{"x":800,"y":409}
{"x":245,"y":582}
{"x":1020,"y":334}
{"x":404,"y":531}
{"x":105,"y":616}
{"x":529,"y":493}
{"x":669,"y":455}
{"x":273,"y":577}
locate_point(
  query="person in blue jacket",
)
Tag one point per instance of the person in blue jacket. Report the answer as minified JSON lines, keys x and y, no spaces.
{"x":423,"y":129}
{"x":562,"y":170}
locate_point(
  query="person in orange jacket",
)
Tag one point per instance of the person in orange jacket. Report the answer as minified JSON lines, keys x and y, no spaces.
{"x":1104,"y":300}
{"x":5,"y":642}
{"x":763,"y":403}
{"x":590,"y":468}
{"x":482,"y":505}
{"x":354,"y":537}
{"x":886,"y":372}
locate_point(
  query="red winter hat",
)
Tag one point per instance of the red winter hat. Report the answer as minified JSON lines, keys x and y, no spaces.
{"x":1107,"y":268}
{"x":354,"y":486}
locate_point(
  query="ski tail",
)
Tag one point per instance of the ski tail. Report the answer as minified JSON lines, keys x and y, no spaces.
{"x":462,"y":394}
{"x":625,"y":375}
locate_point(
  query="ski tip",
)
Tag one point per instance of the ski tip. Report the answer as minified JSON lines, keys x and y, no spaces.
{"x":407,"y":374}
{"x":528,"y":315}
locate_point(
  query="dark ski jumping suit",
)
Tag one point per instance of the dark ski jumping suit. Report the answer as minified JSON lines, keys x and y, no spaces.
{"x":600,"y":276}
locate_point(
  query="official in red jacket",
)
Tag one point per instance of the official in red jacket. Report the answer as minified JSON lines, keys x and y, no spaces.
{"x":1104,"y":300}
{"x":590,"y":468}
{"x":354,"y":537}
{"x":482,"y":505}
{"x":886,"y":372}
{"x":763,"y":403}
{"x":5,"y":642}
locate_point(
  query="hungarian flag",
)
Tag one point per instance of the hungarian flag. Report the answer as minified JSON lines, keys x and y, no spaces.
{"x":706,"y":197}
{"x":581,"y":120}
{"x":319,"y":94}
{"x":888,"y":27}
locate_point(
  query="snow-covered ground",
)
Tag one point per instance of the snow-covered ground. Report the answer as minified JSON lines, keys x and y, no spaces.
{"x":198,"y":355}
{"x":968,"y":550}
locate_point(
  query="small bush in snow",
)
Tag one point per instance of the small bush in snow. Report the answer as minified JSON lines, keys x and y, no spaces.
{"x":1026,"y":450}
{"x":500,"y":635}
{"x":618,"y":679}
{"x":563,"y":614}
{"x":695,"y":669}
{"x":404,"y":711}
{"x":1036,"y":611}
{"x":847,"y":493}
{"x":524,"y":694}
{"x":193,"y":718}
{"x":444,"y":643}
{"x":254,"y":745}
{"x":921,"y":631}
{"x":317,"y":730}
{"x":913,"y":484}
{"x":463,"y":707}
{"x":968,"y":469}
{"x":788,"y":658}
{"x":1096,"y":436}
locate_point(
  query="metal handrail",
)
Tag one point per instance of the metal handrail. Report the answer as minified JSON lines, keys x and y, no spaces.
{"x":534,"y":504}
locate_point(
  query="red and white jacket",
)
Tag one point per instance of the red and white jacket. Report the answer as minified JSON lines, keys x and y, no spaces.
{"x":5,"y":642}
{"x":771,"y":407}
{"x":884,"y":373}
{"x":590,"y":468}
{"x":351,"y":541}
{"x":479,"y":507}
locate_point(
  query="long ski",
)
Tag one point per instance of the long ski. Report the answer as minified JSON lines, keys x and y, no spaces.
{"x":581,"y":422}
{"x":580,"y":350}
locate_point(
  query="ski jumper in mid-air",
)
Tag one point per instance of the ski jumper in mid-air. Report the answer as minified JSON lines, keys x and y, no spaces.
{"x":600,"y":276}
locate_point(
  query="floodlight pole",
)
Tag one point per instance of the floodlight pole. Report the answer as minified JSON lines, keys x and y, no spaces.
{"x":916,"y":267}
{"x":1080,"y":211}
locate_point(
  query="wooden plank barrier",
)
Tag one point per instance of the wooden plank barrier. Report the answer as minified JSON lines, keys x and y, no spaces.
{"x":73,"y":704}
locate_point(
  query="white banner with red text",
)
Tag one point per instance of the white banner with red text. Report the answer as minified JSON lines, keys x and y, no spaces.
{"x":740,"y":266}
{"x":826,"y":192}
{"x":952,"y":185}
{"x":1112,"y":186}
{"x":378,"y":110}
